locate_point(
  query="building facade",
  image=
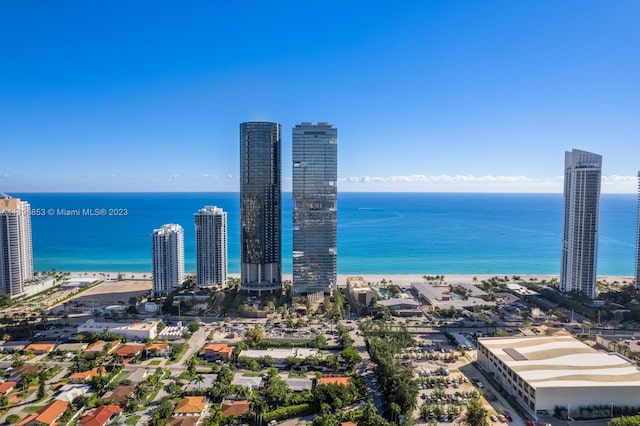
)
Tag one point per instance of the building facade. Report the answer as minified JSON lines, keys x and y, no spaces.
{"x":638,"y":237}
{"x":211,"y":247}
{"x":168,"y":258}
{"x":260,"y":207}
{"x":544,"y":372}
{"x":315,"y":175}
{"x":581,"y":216}
{"x":16,"y":254}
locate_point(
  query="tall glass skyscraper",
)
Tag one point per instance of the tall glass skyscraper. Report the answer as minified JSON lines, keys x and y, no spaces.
{"x":315,"y":175}
{"x":260,"y":207}
{"x":16,"y":254}
{"x":168,"y":258}
{"x":581,"y":216}
{"x":638,"y":238}
{"x":211,"y":247}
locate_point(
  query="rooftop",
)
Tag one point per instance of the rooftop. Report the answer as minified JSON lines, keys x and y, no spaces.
{"x":190,"y":405}
{"x":562,"y":361}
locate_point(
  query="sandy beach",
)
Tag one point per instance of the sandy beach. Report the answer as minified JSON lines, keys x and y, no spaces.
{"x":398,"y":279}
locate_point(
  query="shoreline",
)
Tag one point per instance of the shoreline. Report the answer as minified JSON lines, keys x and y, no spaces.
{"x":397,"y":279}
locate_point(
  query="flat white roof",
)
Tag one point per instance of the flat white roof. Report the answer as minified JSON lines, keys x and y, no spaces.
{"x":562,"y":361}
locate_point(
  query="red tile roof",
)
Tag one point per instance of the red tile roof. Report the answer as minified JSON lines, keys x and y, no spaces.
{"x":235,"y":408}
{"x":335,"y":380}
{"x":190,"y":405}
{"x":157,"y":346}
{"x":129,"y":349}
{"x":100,"y":416}
{"x":6,"y":387}
{"x":40,"y":347}
{"x":48,"y":415}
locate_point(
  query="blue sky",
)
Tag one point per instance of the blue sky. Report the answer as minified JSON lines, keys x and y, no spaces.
{"x":427,"y":95}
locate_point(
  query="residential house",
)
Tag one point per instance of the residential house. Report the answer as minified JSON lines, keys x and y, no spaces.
{"x":192,"y":406}
{"x":101,"y":345}
{"x":40,"y":348}
{"x":85,"y":376}
{"x":47,"y":416}
{"x":234,"y":408}
{"x":101,"y":416}
{"x":334,"y":380}
{"x":15,"y":374}
{"x":129,"y":350}
{"x":217,"y":351}
{"x":157,"y":349}
{"x":70,"y":392}
{"x":5,"y":387}
{"x":119,"y":394}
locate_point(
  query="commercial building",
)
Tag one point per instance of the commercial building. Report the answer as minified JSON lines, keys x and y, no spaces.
{"x":147,"y":329}
{"x":314,"y":177}
{"x":278,"y":355}
{"x":457,"y":296}
{"x":260,"y":207}
{"x":211,"y":247}
{"x":548,"y":371}
{"x":360,"y":293}
{"x":581,"y":215}
{"x":16,"y":254}
{"x":168,"y":259}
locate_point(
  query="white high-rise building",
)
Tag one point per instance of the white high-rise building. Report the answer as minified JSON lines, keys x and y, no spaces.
{"x":16,"y":254}
{"x":168,"y":259}
{"x":211,"y":247}
{"x":582,"y":179}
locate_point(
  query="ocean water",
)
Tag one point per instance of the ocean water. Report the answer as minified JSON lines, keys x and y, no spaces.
{"x":378,"y":233}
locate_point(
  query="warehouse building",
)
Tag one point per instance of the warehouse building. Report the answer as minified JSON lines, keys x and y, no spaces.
{"x":548,"y":371}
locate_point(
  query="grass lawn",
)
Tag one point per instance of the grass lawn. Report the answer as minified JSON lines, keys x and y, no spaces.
{"x":155,"y":362}
{"x":120,"y":376}
{"x":33,"y":408}
{"x":132,"y":421}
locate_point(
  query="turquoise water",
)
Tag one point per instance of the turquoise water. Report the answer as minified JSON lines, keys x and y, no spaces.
{"x":392,"y":233}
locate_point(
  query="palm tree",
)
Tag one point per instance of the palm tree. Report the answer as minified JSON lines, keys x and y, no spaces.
{"x":258,"y":406}
{"x":199,"y":379}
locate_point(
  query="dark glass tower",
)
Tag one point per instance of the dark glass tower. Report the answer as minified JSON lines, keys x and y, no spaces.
{"x":260,"y":207}
{"x":315,"y":174}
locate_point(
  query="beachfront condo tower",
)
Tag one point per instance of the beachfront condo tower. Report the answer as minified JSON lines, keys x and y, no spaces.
{"x":315,"y":175}
{"x":638,"y":237}
{"x":211,"y":247}
{"x":16,"y":254}
{"x":168,"y":259}
{"x":581,"y":214}
{"x":260,"y":208}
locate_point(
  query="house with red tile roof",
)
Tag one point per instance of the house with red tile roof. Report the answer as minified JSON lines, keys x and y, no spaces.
{"x":234,"y":408}
{"x":6,"y":387}
{"x":99,"y":345}
{"x":129,"y":350}
{"x":85,"y":376}
{"x":40,"y":348}
{"x":184,"y":421}
{"x":47,"y":416}
{"x":334,"y":380}
{"x":101,"y":416}
{"x":157,"y":349}
{"x":190,"y":406}
{"x":218,"y":351}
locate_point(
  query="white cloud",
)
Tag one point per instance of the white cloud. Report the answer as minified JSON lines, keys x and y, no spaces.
{"x":470,"y":182}
{"x":5,"y":175}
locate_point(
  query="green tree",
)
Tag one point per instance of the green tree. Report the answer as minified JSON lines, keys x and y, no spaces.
{"x":476,"y":413}
{"x":350,"y":357}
